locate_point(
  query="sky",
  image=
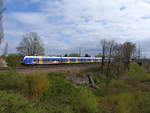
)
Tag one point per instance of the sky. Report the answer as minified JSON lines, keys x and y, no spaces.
{"x":67,"y":25}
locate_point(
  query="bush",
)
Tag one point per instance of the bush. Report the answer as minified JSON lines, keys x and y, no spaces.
{"x":64,"y":97}
{"x":85,"y":101}
{"x":137,"y":73}
{"x":136,"y":70}
{"x":13,"y":60}
{"x":119,"y":86}
{"x":12,"y":80}
{"x":37,"y":84}
{"x":137,"y":102}
{"x":58,"y":98}
{"x":12,"y":103}
{"x":122,"y":103}
{"x":59,"y":86}
{"x":143,"y":100}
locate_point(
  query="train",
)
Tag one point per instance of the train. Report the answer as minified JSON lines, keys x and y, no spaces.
{"x":39,"y":60}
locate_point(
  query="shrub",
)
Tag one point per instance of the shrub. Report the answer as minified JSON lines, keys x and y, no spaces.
{"x":59,"y":86}
{"x":37,"y":84}
{"x":12,"y":103}
{"x":137,"y":102}
{"x":119,"y":86}
{"x":122,"y":103}
{"x":13,"y":60}
{"x":64,"y":97}
{"x":85,"y":101}
{"x":136,"y":70}
{"x":12,"y":80}
{"x":136,"y":75}
{"x":59,"y":95}
{"x":143,"y":100}
{"x":100,"y":81}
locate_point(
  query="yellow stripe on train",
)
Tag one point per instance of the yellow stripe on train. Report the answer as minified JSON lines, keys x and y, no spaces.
{"x":68,"y":60}
{"x":41,"y":61}
{"x":77,"y":61}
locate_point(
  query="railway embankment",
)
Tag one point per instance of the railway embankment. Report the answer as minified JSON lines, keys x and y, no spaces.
{"x":53,"y":67}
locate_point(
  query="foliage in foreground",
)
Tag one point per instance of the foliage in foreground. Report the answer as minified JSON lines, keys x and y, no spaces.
{"x":14,"y":103}
{"x":51,"y":93}
{"x":126,"y":103}
{"x":64,"y":97}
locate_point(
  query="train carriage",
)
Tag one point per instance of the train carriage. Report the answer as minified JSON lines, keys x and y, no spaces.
{"x":32,"y":60}
{"x":41,"y":60}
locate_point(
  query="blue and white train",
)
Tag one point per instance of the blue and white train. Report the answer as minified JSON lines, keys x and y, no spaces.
{"x":34,"y":60}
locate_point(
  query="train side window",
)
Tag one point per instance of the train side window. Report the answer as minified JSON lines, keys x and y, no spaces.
{"x":64,"y":60}
{"x":35,"y":60}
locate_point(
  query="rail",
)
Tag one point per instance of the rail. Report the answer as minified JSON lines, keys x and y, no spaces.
{"x":47,"y":66}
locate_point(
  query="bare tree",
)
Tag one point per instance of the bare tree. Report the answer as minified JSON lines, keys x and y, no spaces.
{"x":31,"y":45}
{"x":109,"y":72}
{"x":5,"y":50}
{"x":115,"y":58}
{"x":107,"y":52}
{"x":139,"y":53}
{"x":103,"y":47}
{"x":1,"y":21}
{"x":2,"y":9}
{"x":128,"y":50}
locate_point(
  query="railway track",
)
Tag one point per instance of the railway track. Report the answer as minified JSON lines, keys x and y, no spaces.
{"x":51,"y":66}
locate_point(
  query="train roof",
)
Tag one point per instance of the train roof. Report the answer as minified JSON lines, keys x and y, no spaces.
{"x":40,"y":57}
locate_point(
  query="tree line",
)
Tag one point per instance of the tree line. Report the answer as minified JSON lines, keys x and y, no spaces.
{"x":116,"y":58}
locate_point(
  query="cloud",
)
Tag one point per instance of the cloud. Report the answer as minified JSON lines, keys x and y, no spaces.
{"x":145,"y":18}
{"x":30,"y":18}
{"x":122,"y":8}
{"x":70,"y":24}
{"x":146,"y":1}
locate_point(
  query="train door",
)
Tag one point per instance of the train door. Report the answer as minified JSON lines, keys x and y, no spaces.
{"x":68,"y":60}
{"x":77,"y":60}
{"x":41,"y":61}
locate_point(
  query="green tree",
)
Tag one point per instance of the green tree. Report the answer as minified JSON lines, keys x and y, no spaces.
{"x":74,"y":55}
{"x":66,"y":55}
{"x":13,"y":60}
{"x":87,"y":55}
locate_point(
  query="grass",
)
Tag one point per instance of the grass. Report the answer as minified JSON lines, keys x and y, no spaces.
{"x":15,"y":103}
{"x":42,"y":92}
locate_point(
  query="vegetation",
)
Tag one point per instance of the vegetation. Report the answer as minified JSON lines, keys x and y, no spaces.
{"x":13,"y":60}
{"x":42,"y":92}
{"x":14,"y":103}
{"x":46,"y":93}
{"x":74,"y":55}
{"x":1,"y":20}
{"x":31,"y":45}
